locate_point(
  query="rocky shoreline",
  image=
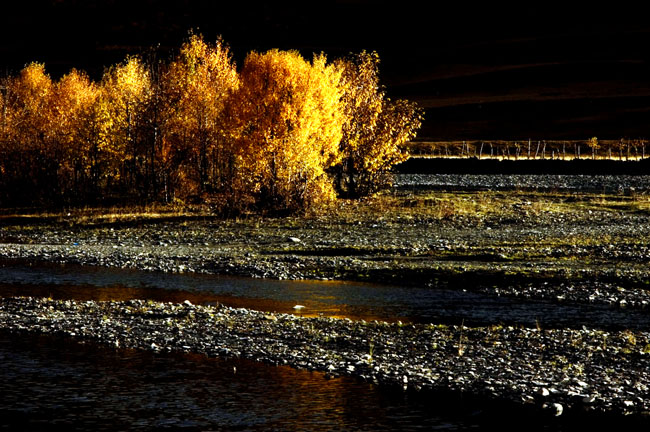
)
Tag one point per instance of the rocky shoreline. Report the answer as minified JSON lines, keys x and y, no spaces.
{"x":557,"y":371}
{"x":581,"y":256}
{"x":576,"y":248}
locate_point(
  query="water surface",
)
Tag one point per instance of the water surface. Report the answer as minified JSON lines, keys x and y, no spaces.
{"x":49,"y":383}
{"x":329,"y":298}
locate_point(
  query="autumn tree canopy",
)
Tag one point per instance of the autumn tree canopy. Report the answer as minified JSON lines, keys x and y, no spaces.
{"x":196,"y":87}
{"x":286,"y":120}
{"x":282,"y":134}
{"x":74,"y":95}
{"x":374,"y":128}
{"x":30,"y":155}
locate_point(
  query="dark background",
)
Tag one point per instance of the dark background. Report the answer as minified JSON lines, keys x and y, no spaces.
{"x":540,"y":71}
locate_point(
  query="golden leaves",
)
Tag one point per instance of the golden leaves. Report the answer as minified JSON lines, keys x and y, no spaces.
{"x":288,"y":119}
{"x":196,"y":86}
{"x":374,"y":130}
{"x":271,"y":134}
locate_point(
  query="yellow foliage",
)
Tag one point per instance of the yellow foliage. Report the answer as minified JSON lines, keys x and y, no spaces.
{"x":374,"y":130}
{"x":73,"y":95}
{"x":269,"y":136}
{"x":29,"y":107}
{"x":287,"y":125}
{"x":196,"y":86}
{"x":126,"y":90}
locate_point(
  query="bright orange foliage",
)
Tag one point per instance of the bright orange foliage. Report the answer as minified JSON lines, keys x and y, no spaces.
{"x":29,"y":106}
{"x":287,"y":119}
{"x":29,"y":157}
{"x":73,"y":99}
{"x":270,"y":136}
{"x":374,"y":130}
{"x":196,"y":86}
{"x":126,"y":91}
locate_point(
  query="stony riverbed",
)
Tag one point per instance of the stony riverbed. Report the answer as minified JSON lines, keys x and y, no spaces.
{"x":555,"y":370}
{"x":533,"y":182}
{"x":566,"y":246}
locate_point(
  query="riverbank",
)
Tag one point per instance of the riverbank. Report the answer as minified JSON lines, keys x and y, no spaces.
{"x":563,"y":245}
{"x":558,"y":371}
{"x":555,"y":165}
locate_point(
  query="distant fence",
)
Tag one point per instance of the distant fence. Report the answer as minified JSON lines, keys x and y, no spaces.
{"x":623,"y":149}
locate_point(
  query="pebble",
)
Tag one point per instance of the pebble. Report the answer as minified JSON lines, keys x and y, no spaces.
{"x":530,"y":365}
{"x":553,"y":379}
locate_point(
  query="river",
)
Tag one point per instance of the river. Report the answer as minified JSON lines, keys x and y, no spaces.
{"x":51,"y":382}
{"x":342,"y":299}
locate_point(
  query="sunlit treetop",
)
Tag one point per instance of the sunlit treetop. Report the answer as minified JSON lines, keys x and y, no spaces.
{"x":271,"y":135}
{"x":130,"y":80}
{"x":289,"y":125}
{"x":374,"y":130}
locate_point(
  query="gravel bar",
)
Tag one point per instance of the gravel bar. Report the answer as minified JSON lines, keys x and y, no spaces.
{"x":567,"y":247}
{"x":555,"y":370}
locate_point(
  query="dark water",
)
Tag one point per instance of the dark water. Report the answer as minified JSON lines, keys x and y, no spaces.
{"x":49,"y":383}
{"x":330,"y":298}
{"x":53,"y":383}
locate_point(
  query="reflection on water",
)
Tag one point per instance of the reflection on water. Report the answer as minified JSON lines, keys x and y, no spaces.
{"x":54,"y":383}
{"x":332,"y":298}
{"x":49,"y":382}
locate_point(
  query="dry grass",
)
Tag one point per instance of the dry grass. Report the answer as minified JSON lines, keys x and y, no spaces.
{"x":514,"y":205}
{"x":391,"y":205}
{"x":102,"y":215}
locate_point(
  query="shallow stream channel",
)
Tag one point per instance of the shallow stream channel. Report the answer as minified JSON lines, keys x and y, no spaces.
{"x":52,"y":381}
{"x":337,"y":299}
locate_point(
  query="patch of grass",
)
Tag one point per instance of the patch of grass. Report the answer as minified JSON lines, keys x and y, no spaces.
{"x":482,"y":205}
{"x":104,"y":215}
{"x":339,"y":251}
{"x":383,"y":207}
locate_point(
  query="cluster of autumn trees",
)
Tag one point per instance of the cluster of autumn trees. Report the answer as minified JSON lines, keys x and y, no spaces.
{"x":281,"y":133}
